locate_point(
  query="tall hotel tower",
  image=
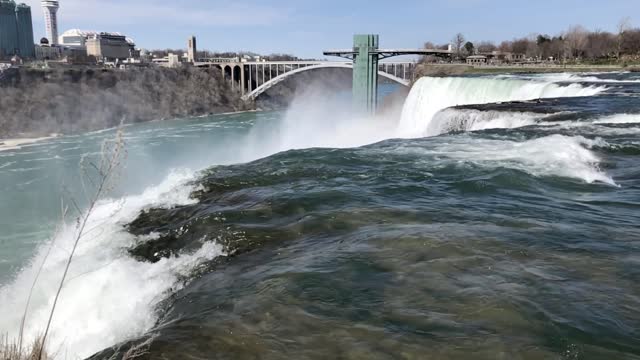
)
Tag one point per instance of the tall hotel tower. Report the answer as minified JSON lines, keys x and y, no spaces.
{"x":50,"y":8}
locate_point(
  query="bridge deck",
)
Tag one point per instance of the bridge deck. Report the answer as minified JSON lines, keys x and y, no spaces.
{"x":310,"y":62}
{"x":384,"y":53}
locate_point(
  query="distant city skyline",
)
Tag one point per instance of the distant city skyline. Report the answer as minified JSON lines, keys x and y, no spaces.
{"x":305,"y":29}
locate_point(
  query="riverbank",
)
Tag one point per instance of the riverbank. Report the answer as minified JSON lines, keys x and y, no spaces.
{"x":461,"y":69}
{"x":549,"y":69}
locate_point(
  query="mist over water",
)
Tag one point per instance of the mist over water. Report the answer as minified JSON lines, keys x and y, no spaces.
{"x":393,"y":232}
{"x":314,"y":120}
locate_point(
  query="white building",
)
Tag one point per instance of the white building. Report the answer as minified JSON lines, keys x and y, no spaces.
{"x":172,"y":61}
{"x":74,"y":37}
{"x":78,"y":38}
{"x":192,"y":50}
{"x":104,"y":46}
{"x":50,"y":9}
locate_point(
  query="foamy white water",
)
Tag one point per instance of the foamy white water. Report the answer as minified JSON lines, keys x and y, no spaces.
{"x":619,"y":119}
{"x":430,"y":95}
{"x":473,"y":120}
{"x":569,"y":77}
{"x":553,"y":155}
{"x":109,"y":296}
{"x":599,"y":126}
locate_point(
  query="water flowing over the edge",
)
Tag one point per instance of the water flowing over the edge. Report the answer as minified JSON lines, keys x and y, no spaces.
{"x":430,"y":95}
{"x":97,"y":314}
{"x":108,"y":296}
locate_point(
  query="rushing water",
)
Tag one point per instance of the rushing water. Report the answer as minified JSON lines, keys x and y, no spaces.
{"x":498,"y":218}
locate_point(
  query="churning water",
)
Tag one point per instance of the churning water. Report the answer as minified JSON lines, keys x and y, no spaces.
{"x":497,"y":218}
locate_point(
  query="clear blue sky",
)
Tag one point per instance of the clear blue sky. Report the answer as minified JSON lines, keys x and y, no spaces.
{"x":305,"y":28}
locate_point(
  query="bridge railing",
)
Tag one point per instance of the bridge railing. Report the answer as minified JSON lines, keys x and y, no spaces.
{"x":218,"y":60}
{"x":400,"y":69}
{"x":249,"y":76}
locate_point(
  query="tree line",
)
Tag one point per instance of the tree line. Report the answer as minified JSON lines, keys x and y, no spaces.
{"x":575,"y":44}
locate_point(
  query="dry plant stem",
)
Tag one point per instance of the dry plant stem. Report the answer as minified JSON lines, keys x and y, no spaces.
{"x":35,"y":280}
{"x":10,"y":351}
{"x":105,"y":171}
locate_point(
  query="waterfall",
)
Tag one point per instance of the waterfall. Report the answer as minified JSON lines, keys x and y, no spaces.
{"x":431,"y":95}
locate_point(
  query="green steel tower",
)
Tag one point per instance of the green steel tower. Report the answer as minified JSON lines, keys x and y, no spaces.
{"x":366,"y":56}
{"x":365,"y":72}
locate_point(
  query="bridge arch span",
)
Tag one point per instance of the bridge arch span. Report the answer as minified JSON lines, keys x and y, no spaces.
{"x":278,"y":79}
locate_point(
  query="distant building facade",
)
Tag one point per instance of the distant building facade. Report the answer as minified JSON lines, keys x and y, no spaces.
{"x":16,"y":30}
{"x":25,"y":31}
{"x":46,"y":52}
{"x":75,"y":37}
{"x":192,"y":50}
{"x":104,"y":46}
{"x":500,"y":57}
{"x":172,"y":61}
{"x":476,"y":60}
{"x":109,"y":47}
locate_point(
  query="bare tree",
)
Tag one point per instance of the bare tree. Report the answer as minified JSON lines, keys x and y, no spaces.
{"x":601,"y":44}
{"x":458,"y":42}
{"x":486,"y":47}
{"x":506,"y":46}
{"x":631,"y":43}
{"x":576,"y":41}
{"x":520,"y":46}
{"x":533,"y":50}
{"x":557,"y":48}
{"x":623,"y":26}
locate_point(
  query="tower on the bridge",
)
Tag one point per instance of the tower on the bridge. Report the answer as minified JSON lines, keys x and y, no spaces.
{"x":365,"y":72}
{"x":366,"y":55}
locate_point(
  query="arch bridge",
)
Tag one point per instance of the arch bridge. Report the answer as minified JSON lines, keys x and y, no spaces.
{"x":254,"y":78}
{"x":365,"y":58}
